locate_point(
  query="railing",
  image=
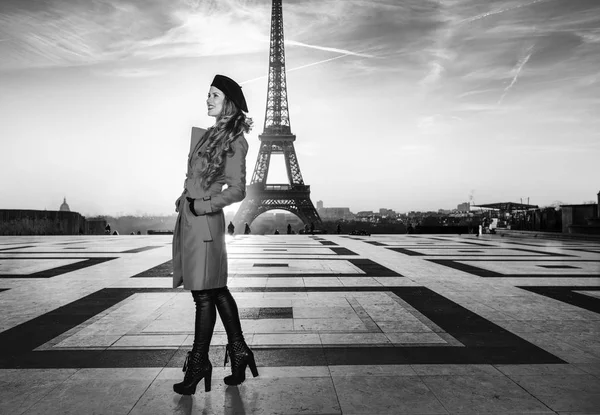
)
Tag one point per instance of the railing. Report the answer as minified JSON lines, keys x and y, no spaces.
{"x":278,"y":187}
{"x":287,"y":187}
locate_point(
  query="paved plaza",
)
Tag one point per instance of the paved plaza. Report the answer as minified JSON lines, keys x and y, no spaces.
{"x":382,"y":324}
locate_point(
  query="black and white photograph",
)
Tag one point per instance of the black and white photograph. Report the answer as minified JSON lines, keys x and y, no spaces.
{"x":300,"y":207}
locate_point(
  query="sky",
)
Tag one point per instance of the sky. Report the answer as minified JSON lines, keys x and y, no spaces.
{"x":407,"y":105}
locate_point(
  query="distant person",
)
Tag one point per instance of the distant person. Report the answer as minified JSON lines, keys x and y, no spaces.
{"x":305,"y":229}
{"x":139,"y":232}
{"x":247,"y":229}
{"x":217,"y":158}
{"x":312,"y":228}
{"x":289,"y":229}
{"x":338,"y":229}
{"x":230,"y":228}
{"x":107,"y":229}
{"x":410,"y":229}
{"x":276,"y":232}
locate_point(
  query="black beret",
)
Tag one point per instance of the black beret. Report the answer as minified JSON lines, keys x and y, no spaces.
{"x":232,"y":90}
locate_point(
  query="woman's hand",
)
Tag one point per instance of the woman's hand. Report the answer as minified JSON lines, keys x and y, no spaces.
{"x":199,"y":207}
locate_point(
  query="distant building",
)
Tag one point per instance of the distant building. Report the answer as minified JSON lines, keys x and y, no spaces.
{"x":64,"y":207}
{"x":95,"y":226}
{"x":40,"y":222}
{"x":334,"y":213}
{"x":365,"y":213}
{"x":464,"y":207}
{"x":387,"y":212}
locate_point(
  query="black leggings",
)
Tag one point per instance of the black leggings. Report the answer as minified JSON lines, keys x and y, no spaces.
{"x":207,"y":303}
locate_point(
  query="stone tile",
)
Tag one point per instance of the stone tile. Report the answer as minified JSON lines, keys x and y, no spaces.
{"x":328,"y":324}
{"x":22,"y":388}
{"x":415,"y":338}
{"x":404,"y":326}
{"x":564,"y":392}
{"x":455,"y":370}
{"x":482,"y":393}
{"x":285,"y":282}
{"x":267,"y":325}
{"x":92,"y":395}
{"x":284,"y":395}
{"x":150,"y":340}
{"x":324,"y":312}
{"x":115,"y":374}
{"x":95,"y":341}
{"x":323,"y":300}
{"x":247,"y":282}
{"x":591,"y":368}
{"x":341,"y":339}
{"x":385,"y":395}
{"x":359,"y":281}
{"x":285,"y":339}
{"x":184,"y":324}
{"x":525,"y":370}
{"x":34,"y":265}
{"x":371,"y":370}
{"x":396,"y":281}
{"x":159,"y":399}
{"x":295,"y":372}
{"x":365,"y":317}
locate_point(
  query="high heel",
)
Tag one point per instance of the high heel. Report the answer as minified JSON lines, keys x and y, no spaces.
{"x":196,"y":368}
{"x":241,"y":357}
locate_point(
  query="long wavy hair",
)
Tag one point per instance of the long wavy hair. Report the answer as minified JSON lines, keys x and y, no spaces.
{"x":231,"y":123}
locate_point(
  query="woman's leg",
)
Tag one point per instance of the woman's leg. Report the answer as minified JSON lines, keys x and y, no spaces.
{"x":197,"y":365}
{"x":238,"y":350}
{"x":228,"y":311}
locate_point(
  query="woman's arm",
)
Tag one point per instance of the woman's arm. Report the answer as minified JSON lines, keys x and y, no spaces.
{"x":235,"y":178}
{"x":180,"y":199}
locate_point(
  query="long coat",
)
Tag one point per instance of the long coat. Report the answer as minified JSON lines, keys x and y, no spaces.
{"x":199,"y":252}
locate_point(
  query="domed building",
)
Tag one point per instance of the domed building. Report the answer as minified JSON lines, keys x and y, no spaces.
{"x":64,"y":207}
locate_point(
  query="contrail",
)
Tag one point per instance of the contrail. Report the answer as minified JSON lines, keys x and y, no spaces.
{"x":301,"y":67}
{"x":325,"y":48}
{"x":519,"y":67}
{"x":481,"y":16}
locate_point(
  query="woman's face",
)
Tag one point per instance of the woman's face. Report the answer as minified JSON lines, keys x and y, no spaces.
{"x":214,"y":102}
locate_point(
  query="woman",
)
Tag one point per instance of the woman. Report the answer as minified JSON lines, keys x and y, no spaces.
{"x":217,"y":157}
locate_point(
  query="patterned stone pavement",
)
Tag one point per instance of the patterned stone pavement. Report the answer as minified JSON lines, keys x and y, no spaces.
{"x":386,"y":324}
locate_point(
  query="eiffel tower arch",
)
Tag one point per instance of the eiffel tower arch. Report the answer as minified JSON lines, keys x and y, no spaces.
{"x":277,"y":138}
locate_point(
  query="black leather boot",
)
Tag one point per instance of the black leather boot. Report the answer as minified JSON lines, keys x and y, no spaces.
{"x":237,"y":350}
{"x":197,"y":366}
{"x":241,"y":357}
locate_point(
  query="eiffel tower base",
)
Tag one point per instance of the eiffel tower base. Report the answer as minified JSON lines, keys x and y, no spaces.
{"x":259,"y":201}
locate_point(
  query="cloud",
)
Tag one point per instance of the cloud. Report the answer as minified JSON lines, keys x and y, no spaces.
{"x":328,"y":49}
{"x":131,"y":72}
{"x":300,"y":67}
{"x":433,"y":75}
{"x":90,"y":32}
{"x":592,"y":36}
{"x":517,"y":70}
{"x":476,"y":92}
{"x":499,"y":11}
{"x":437,"y":123}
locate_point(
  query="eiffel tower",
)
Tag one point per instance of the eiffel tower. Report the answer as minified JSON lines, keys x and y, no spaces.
{"x":277,"y":138}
